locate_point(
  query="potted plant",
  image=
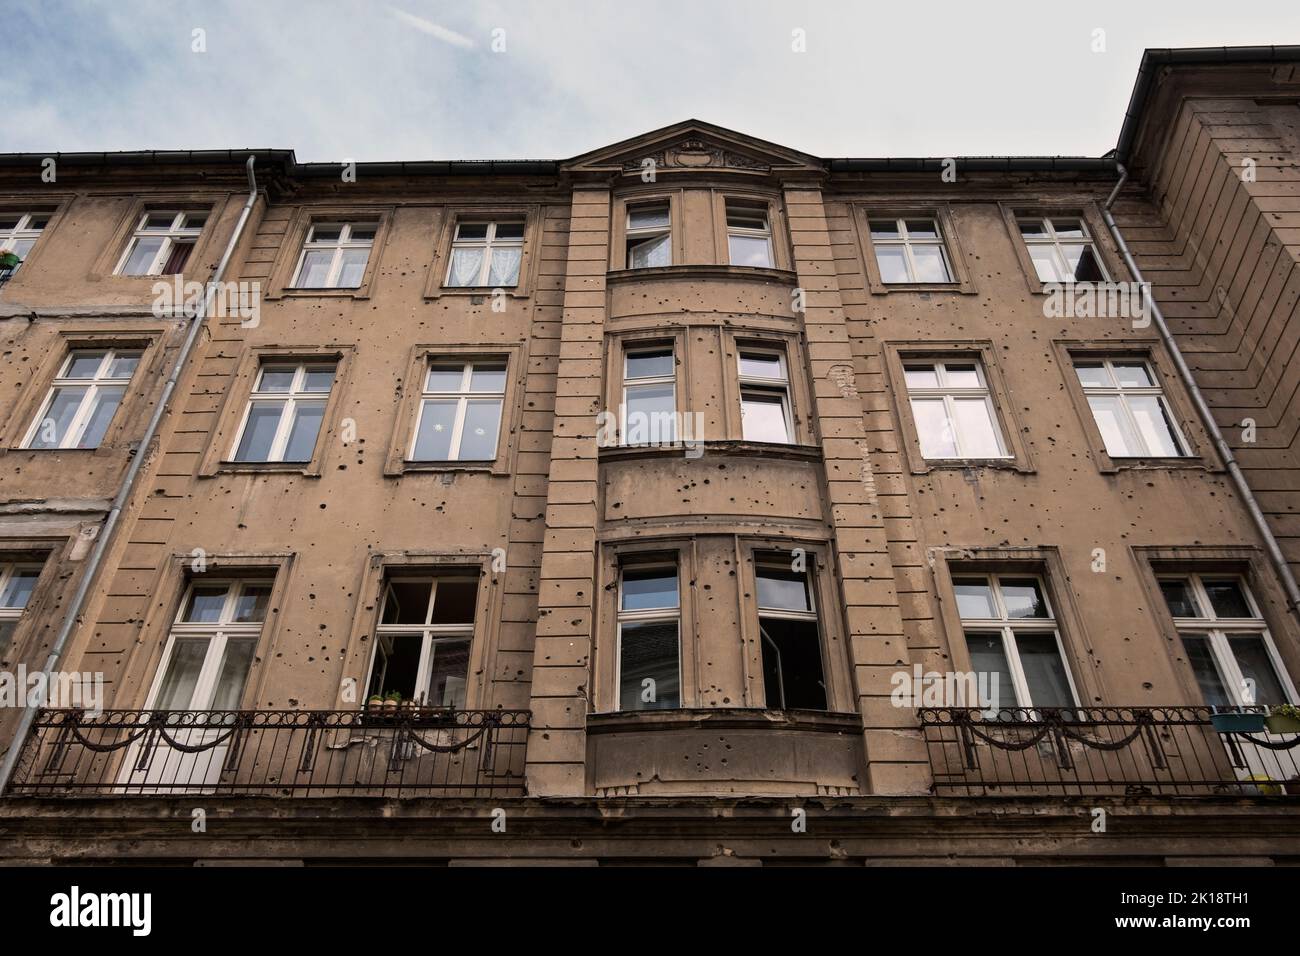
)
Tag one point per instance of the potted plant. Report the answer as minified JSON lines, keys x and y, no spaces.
{"x":391,"y":701}
{"x":1238,"y":722}
{"x":411,"y":706}
{"x":9,"y":260}
{"x":375,"y":703}
{"x":1284,"y":719}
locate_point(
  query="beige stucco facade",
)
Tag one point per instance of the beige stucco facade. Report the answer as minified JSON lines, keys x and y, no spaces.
{"x":547,"y":522}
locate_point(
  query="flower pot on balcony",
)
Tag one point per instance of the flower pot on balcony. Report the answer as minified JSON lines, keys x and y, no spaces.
{"x":1234,"y":723}
{"x":1282,"y":724}
{"x":375,"y":704}
{"x":9,"y":260}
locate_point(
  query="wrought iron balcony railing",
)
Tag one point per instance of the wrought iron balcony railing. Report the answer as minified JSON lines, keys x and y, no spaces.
{"x":1109,"y":750}
{"x":292,"y":753}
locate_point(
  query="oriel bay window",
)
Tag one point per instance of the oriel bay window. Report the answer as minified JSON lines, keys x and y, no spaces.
{"x":649,"y":619}
{"x":793,"y":674}
{"x":649,"y":414}
{"x":83,"y":399}
{"x":17,"y":582}
{"x":486,"y":254}
{"x":334,"y":255}
{"x":749,"y":235}
{"x":212,"y":645}
{"x":1011,"y":635}
{"x":765,"y":396}
{"x":1226,"y":641}
{"x":460,"y":411}
{"x":161,"y":243}
{"x":423,"y":639}
{"x":285,"y":409}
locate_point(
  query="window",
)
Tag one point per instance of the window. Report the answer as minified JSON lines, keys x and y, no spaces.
{"x":1130,"y":409}
{"x":1012,"y":636}
{"x":83,"y":399}
{"x":765,"y":396}
{"x":749,"y":237}
{"x":460,"y":412}
{"x":792,"y":648}
{"x":335,"y":254}
{"x":19,"y":232}
{"x":17,"y":582}
{"x":953,"y":410}
{"x":649,"y":611}
{"x":1061,"y":250}
{"x":212,"y":646}
{"x":284,"y":413}
{"x":1226,"y":641}
{"x":422,"y":641}
{"x":486,"y":254}
{"x":162,"y":243}
{"x":649,"y":396}
{"x":649,"y":237}
{"x":910,"y":250}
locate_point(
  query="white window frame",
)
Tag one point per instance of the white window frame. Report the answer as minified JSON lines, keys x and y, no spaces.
{"x":648,"y":380}
{"x":949,"y":394}
{"x":1220,"y":629}
{"x":343,"y":243}
{"x":1122,"y":392}
{"x":23,"y":230}
{"x":178,"y":230}
{"x":8,"y":570}
{"x":765,"y":233}
{"x":463,"y":396}
{"x":92,"y":386}
{"x":809,"y":616}
{"x":1055,"y":242}
{"x":487,"y":244}
{"x":1008,"y":626}
{"x":766,"y":386}
{"x":430,"y":634}
{"x":218,"y":632}
{"x":642,"y":233}
{"x":650,"y":616}
{"x":288,"y":413}
{"x":906,"y":241}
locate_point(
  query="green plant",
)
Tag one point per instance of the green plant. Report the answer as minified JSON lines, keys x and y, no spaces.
{"x":375,"y":699}
{"x":1285,"y":710}
{"x":394,"y":696}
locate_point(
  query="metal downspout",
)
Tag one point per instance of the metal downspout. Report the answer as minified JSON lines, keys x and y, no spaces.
{"x":128,"y":483}
{"x":1189,"y":382}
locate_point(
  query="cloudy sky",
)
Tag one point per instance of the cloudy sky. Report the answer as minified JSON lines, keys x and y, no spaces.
{"x":510,"y":79}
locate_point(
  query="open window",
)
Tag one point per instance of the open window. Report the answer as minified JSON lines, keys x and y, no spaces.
{"x":1061,"y":249}
{"x":17,"y":582}
{"x":649,"y":236}
{"x":162,"y":243}
{"x":765,"y":396}
{"x":793,"y":674}
{"x":423,"y":639}
{"x":749,"y":235}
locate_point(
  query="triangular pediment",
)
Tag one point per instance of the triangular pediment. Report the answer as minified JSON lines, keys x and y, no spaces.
{"x":693,"y":145}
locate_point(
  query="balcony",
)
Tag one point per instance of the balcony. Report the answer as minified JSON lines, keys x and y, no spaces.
{"x":282,"y":753}
{"x":1104,"y":751}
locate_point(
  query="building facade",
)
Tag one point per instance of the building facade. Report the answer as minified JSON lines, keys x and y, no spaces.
{"x":692,"y":500}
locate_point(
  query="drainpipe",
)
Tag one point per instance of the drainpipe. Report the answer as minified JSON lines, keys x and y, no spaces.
{"x":128,"y":484}
{"x":1189,"y":382}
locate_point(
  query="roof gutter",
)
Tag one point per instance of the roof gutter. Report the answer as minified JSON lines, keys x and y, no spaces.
{"x":124,"y":493}
{"x":1275,"y":555}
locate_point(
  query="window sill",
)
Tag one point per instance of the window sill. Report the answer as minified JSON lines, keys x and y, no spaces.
{"x":922,"y":288}
{"x":482,"y":291}
{"x":359,"y":292}
{"x":310,"y":469}
{"x":1110,"y":465}
{"x":726,"y":448}
{"x":703,"y":271}
{"x":924,"y":466}
{"x":446,"y":468}
{"x":709,"y":718}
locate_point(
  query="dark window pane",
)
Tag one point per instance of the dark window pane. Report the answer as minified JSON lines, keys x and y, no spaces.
{"x":234,"y":673}
{"x":205,"y":605}
{"x":448,"y":673}
{"x":397,"y":663}
{"x":251,"y":604}
{"x":259,"y":431}
{"x":1045,"y":674}
{"x":303,"y":432}
{"x":648,"y":667}
{"x":1227,"y":598}
{"x":454,"y":601}
{"x":407,"y":602}
{"x":792,"y":665}
{"x":1256,"y":665}
{"x":1178,"y":596}
{"x":1023,"y":598}
{"x":1208,"y":679}
{"x":177,"y":689}
{"x":989,"y":660}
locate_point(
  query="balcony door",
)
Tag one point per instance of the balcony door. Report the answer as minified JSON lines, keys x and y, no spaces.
{"x":198,"y":686}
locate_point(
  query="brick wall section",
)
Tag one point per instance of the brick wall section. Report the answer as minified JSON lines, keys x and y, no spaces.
{"x":561,"y":658}
{"x":896,"y":760}
{"x":1222,"y":253}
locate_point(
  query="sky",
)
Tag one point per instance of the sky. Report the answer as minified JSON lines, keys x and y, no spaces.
{"x":371,"y":80}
